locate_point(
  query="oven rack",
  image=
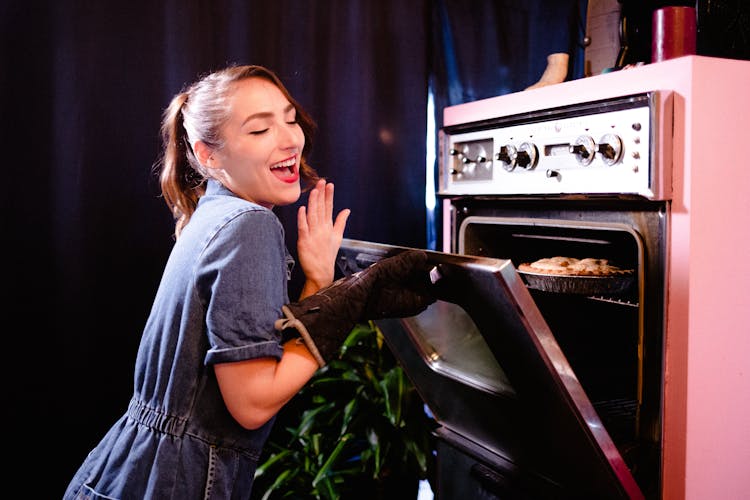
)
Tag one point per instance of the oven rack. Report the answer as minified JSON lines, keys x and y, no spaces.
{"x":612,"y":300}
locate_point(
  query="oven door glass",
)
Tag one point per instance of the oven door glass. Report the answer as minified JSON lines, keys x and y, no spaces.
{"x":489,"y":369}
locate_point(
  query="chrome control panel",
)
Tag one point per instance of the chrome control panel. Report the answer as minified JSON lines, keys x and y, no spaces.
{"x":606,"y":147}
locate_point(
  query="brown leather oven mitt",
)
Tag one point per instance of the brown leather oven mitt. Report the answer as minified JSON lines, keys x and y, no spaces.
{"x":394,"y":287}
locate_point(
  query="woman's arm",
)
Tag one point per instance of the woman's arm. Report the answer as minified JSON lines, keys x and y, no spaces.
{"x":255,"y":390}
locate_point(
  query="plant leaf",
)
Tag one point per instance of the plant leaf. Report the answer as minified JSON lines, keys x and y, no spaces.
{"x":325,"y":468}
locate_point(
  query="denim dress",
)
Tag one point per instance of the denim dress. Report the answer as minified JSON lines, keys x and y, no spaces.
{"x":221,"y":292}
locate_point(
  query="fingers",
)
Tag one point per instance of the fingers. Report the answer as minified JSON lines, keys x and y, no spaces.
{"x":340,"y":223}
{"x":404,"y":266}
{"x":302,"y":227}
{"x":416,"y":258}
{"x":315,"y":203}
{"x":328,"y":207}
{"x":320,"y":203}
{"x":411,"y":261}
{"x":318,"y":215}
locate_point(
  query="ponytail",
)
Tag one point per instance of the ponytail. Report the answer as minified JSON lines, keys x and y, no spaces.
{"x":181,"y":184}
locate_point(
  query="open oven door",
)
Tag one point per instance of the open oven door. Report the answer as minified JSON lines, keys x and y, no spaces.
{"x":493,"y":376}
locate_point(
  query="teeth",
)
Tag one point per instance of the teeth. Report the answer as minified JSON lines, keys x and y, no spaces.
{"x":284,"y":164}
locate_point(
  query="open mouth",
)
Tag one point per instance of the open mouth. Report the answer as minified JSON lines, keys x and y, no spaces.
{"x":286,"y":170}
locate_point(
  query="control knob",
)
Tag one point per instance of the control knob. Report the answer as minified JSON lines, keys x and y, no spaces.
{"x":479,"y":159}
{"x":507,"y":156}
{"x":527,"y":156}
{"x":583,"y":148}
{"x":610,"y":148}
{"x":457,"y":167}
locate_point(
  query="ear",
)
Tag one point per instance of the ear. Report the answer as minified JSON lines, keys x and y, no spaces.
{"x":205,"y":154}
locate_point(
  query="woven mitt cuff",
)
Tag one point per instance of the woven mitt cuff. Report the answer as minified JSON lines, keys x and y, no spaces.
{"x":289,"y":321}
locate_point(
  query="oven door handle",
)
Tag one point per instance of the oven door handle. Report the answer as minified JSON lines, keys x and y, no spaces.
{"x":365,"y":260}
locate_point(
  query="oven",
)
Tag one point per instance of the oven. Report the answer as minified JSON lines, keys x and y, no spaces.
{"x":550,"y":386}
{"x":583,"y":181}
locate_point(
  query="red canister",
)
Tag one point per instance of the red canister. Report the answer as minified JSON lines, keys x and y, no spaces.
{"x":673,"y":33}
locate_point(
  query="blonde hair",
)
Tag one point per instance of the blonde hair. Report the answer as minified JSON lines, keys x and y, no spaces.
{"x":197,"y":114}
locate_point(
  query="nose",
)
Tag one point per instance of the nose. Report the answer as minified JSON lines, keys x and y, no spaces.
{"x":291,"y":137}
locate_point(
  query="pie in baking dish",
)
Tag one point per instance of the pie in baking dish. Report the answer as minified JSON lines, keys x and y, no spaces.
{"x":570,"y":266}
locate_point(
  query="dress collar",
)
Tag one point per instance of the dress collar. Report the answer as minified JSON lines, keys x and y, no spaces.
{"x":215,"y":187}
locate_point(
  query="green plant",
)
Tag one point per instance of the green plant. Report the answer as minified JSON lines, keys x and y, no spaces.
{"x":357,"y":430}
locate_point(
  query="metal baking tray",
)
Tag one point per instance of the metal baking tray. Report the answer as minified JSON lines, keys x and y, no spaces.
{"x":579,"y":285}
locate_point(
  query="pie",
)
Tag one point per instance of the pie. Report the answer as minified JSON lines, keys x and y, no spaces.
{"x":570,"y":266}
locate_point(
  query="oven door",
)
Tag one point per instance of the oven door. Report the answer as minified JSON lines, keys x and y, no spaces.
{"x":492,"y":374}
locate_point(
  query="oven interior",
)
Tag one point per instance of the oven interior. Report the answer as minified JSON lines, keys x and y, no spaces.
{"x":599,"y":335}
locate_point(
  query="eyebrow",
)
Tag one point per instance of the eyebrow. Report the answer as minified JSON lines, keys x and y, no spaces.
{"x":267,"y":114}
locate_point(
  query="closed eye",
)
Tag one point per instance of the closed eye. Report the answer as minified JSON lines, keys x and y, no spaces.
{"x":291,"y":115}
{"x":259,"y":132}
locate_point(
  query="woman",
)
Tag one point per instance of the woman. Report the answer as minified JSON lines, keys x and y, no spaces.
{"x":218,"y":357}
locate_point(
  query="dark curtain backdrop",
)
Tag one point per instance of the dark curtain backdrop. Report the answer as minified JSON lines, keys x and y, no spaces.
{"x":486,"y":48}
{"x":85,"y":234}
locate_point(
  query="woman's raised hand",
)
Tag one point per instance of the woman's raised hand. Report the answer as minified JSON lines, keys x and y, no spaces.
{"x":319,"y":237}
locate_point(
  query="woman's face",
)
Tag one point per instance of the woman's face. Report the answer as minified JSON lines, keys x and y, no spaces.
{"x":262,"y":145}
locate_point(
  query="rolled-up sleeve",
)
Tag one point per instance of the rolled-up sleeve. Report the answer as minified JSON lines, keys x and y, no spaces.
{"x":242,"y":277}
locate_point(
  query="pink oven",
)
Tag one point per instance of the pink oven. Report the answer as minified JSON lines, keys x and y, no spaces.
{"x":636,"y":386}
